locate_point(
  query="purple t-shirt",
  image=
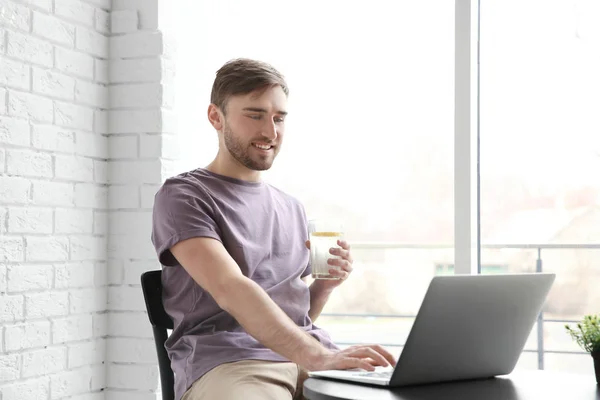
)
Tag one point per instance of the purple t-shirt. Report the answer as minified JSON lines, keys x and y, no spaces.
{"x":264,"y":230}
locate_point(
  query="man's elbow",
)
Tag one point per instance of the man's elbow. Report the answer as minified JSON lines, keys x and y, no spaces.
{"x":227,"y":293}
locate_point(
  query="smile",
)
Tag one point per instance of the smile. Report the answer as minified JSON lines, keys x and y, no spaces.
{"x":262,"y":146}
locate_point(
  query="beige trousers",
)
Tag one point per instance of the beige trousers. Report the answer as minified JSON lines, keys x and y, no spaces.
{"x":250,"y":380}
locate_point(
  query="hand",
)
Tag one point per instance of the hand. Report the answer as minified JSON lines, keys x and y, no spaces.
{"x":366,"y":357}
{"x":344,"y":263}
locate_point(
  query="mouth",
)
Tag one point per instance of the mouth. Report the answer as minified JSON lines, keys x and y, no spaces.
{"x":262,"y":146}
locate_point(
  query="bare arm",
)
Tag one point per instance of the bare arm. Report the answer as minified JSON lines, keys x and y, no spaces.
{"x":209,"y":264}
{"x":318,"y":299}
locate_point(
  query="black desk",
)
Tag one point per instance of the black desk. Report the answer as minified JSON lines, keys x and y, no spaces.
{"x":523,"y":385}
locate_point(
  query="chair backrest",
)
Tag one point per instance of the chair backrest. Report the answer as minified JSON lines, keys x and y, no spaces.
{"x":152,"y":288}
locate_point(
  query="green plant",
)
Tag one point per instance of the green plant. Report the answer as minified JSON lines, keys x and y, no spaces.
{"x":587,"y":333}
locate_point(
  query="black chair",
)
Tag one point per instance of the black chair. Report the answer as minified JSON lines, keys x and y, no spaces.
{"x":152,"y":288}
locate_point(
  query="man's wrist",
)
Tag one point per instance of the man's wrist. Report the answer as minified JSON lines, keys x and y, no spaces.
{"x":319,"y":290}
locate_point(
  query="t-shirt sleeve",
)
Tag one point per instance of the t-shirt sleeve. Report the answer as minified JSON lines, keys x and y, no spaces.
{"x":181,"y":212}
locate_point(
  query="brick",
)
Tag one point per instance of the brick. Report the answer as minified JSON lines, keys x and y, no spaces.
{"x":22,"y":278}
{"x":3,"y":227}
{"x":84,"y":354}
{"x":69,"y":383}
{"x":91,"y":145}
{"x":14,"y":190}
{"x":100,"y":273}
{"x":53,"y":84}
{"x":164,"y":146}
{"x":138,"y":44}
{"x":123,"y":147}
{"x":91,"y":42}
{"x":148,"y":192}
{"x":53,"y":193}
{"x":134,"y":269}
{"x":44,"y":5}
{"x":11,"y":249}
{"x":53,"y":138}
{"x":140,"y":377}
{"x":14,"y":16}
{"x":74,"y":116}
{"x":102,"y":21}
{"x":130,"y":246}
{"x":47,"y":304}
{"x":131,"y":350}
{"x":30,"y":49}
{"x":124,"y":21}
{"x":101,"y":73}
{"x":129,"y":395}
{"x":74,"y":168}
{"x":29,"y":163}
{"x":136,"y":70}
{"x":92,"y":395}
{"x":27,"y":335}
{"x":100,"y":324}
{"x":98,"y":377}
{"x":47,"y":248}
{"x":100,"y":121}
{"x":148,"y":11}
{"x":125,"y":298}
{"x":76,"y":11}
{"x":91,"y":195}
{"x":100,"y":223}
{"x":73,"y":275}
{"x":87,"y":301}
{"x":74,"y":62}
{"x":29,"y":220}
{"x":3,"y":102}
{"x":130,"y":324}
{"x":135,"y":121}
{"x":11,"y":308}
{"x":71,"y":329}
{"x":123,"y":196}
{"x":91,"y":94}
{"x":100,"y":171}
{"x":53,"y":29}
{"x":2,"y":41}
{"x":122,"y":222}
{"x":14,"y":131}
{"x":115,"y":272}
{"x":125,"y":172}
{"x":9,"y":367}
{"x":14,"y":74}
{"x":44,"y":362}
{"x":103,"y":4}
{"x":31,"y":389}
{"x":143,"y":95}
{"x":69,"y":220}
{"x":84,"y":248}
{"x":30,"y":106}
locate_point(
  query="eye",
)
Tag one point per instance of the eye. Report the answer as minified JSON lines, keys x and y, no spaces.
{"x":278,"y":120}
{"x":255,"y":117}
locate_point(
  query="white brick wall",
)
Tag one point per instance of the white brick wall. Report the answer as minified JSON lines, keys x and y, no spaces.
{"x":53,"y":252}
{"x":84,"y":106}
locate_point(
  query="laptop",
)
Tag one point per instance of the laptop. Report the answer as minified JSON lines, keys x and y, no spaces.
{"x":468,"y":327}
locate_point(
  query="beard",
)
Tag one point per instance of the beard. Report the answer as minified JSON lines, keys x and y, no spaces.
{"x":242,"y":152}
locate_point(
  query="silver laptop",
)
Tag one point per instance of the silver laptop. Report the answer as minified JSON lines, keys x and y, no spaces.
{"x":468,"y":327}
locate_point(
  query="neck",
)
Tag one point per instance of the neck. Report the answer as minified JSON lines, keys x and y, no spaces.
{"x":226,"y":165}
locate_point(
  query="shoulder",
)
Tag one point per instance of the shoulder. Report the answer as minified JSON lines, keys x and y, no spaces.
{"x":286,"y":198}
{"x":184,"y":187}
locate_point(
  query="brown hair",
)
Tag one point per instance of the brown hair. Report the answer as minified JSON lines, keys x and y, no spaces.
{"x":242,"y":76}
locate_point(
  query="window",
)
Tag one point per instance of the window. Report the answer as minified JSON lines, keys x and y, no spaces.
{"x":540,"y":142}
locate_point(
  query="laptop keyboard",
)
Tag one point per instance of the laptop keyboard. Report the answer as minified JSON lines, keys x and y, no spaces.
{"x":383,"y":374}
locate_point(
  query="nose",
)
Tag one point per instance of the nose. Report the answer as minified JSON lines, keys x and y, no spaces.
{"x":270,"y":131}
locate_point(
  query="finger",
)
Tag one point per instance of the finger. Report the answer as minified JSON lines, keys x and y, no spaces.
{"x":342,"y":252}
{"x":307,"y":244}
{"x":352,"y":362}
{"x":336,"y":273}
{"x":384,"y":353}
{"x":368,"y":352}
{"x":343,"y":244}
{"x":345,"y":265}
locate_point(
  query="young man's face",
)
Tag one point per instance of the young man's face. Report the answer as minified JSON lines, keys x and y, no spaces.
{"x":254,"y":125}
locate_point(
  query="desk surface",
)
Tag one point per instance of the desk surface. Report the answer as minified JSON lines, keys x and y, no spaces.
{"x":523,"y":385}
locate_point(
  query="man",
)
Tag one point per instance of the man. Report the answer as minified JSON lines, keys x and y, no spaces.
{"x":235,"y":259}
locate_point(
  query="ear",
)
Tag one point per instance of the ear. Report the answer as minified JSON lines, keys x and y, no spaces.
{"x":215,"y":117}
